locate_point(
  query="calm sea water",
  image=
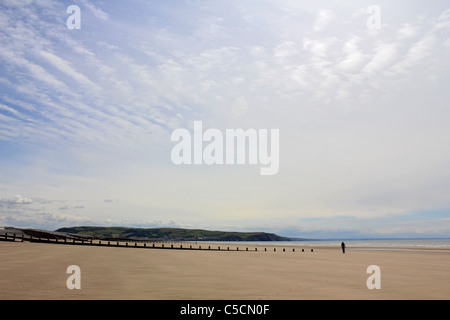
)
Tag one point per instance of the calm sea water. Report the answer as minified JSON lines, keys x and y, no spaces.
{"x":379,"y":243}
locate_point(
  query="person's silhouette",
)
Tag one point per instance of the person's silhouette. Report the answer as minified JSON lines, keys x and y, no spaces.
{"x":343,"y":247}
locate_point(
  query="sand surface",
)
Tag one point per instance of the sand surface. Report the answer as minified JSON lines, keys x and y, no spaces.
{"x":38,"y":271}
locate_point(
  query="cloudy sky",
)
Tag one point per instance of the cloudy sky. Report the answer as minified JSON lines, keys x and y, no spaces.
{"x":358,"y":90}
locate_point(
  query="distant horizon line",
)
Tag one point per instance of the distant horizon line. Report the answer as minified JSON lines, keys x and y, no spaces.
{"x":352,"y":239}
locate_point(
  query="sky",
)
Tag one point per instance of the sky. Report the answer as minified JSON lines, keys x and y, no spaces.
{"x":359,"y":92}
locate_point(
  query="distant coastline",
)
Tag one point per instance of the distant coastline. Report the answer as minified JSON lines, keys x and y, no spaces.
{"x":150,"y":234}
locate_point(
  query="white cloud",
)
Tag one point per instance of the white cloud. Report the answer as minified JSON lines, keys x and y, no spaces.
{"x":10,"y":110}
{"x":36,"y":71}
{"x":443,"y":21}
{"x":65,"y":67}
{"x":318,"y":47}
{"x":353,"y":55}
{"x":99,"y":13}
{"x":407,"y":31}
{"x":385,"y":54}
{"x":324,"y":17}
{"x":285,"y":50}
{"x":417,"y":53}
{"x":16,"y":200}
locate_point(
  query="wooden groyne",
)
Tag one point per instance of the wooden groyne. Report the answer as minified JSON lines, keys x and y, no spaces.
{"x":142,"y":244}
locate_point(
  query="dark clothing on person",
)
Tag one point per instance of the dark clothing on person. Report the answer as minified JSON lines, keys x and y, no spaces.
{"x":343,"y":247}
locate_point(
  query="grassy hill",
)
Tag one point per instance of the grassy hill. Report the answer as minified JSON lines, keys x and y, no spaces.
{"x":170,"y":234}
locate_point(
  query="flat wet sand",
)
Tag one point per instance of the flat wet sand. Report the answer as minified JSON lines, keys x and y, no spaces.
{"x":38,"y":271}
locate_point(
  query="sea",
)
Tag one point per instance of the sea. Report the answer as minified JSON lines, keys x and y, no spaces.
{"x":373,"y":244}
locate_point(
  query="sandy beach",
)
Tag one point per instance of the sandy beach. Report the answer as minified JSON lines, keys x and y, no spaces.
{"x":38,"y":271}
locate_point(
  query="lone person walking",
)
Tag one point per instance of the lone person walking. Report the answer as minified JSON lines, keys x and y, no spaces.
{"x":343,"y":247}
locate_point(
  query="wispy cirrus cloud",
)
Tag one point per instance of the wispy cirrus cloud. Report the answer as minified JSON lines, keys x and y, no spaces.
{"x":97,"y":11}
